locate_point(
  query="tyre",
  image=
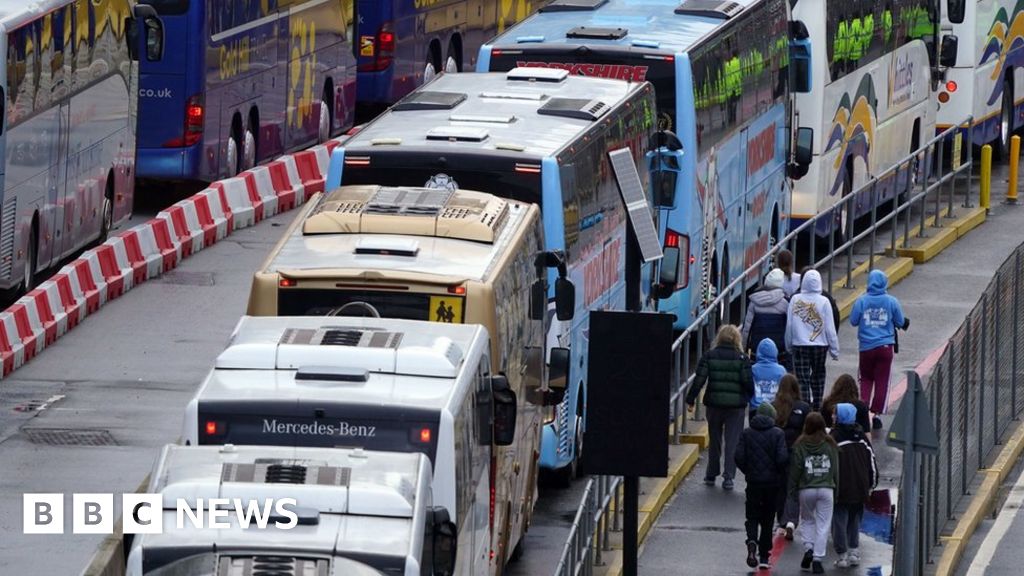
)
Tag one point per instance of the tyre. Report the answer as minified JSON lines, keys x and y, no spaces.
{"x":324,"y":123}
{"x":450,"y":65}
{"x":231,"y":156}
{"x":248,"y":159}
{"x":28,"y":279}
{"x":429,"y":72}
{"x":107,"y":221}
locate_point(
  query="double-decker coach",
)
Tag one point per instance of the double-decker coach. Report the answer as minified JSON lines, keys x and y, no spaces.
{"x":540,"y":137}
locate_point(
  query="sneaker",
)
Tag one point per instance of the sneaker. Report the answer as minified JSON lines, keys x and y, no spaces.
{"x":805,"y":563}
{"x":817,"y":568}
{"x":853,"y":557}
{"x":709,"y":481}
{"x":843,"y":561}
{"x":727,"y":484}
{"x":876,"y":423}
{"x":763,"y":564}
{"x":751,"y":553}
{"x":790,"y":528}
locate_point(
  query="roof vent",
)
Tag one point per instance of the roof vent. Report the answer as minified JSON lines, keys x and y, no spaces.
{"x":531,"y":96}
{"x":277,"y":471}
{"x":573,"y":5}
{"x":388,"y":247}
{"x":494,"y":118}
{"x":430,"y":100}
{"x":536,"y":74}
{"x":594,"y":33}
{"x":275,"y":565}
{"x":332,"y":374}
{"x":458,"y":134}
{"x":723,"y":9}
{"x":579,"y":108}
{"x":342,"y":336}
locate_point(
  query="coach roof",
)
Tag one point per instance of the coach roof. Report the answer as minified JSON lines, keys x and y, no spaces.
{"x":651,"y":25}
{"x":493,"y":112}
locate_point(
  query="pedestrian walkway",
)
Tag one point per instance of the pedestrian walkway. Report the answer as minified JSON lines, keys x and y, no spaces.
{"x":701,"y":530}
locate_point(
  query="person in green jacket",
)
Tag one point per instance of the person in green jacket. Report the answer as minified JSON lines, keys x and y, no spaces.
{"x":726,"y":371}
{"x":814,"y":475}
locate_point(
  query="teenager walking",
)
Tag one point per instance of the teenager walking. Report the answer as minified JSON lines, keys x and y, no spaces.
{"x":767,"y":373}
{"x":726,"y":371}
{"x":813,"y":475}
{"x":858,"y":475}
{"x":762,"y":456}
{"x":876,"y":315}
{"x":791,"y":280}
{"x":810,"y":335}
{"x":844,"y":389}
{"x":791,"y":412}
{"x":766,"y":317}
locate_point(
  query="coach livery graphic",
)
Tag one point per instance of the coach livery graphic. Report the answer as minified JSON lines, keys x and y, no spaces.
{"x":1005,"y":40}
{"x":853,"y":131}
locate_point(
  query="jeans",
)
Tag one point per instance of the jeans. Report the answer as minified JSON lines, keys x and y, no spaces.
{"x":760,"y":508}
{"x":875,"y":367}
{"x":846,"y":527}
{"x":816,"y":519}
{"x":727,"y":422}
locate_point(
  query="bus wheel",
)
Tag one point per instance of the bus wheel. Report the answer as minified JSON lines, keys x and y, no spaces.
{"x":28,"y":279}
{"x":451,"y":66}
{"x":324,"y":128}
{"x":248,"y":151}
{"x":231,"y":157}
{"x":107,"y":216}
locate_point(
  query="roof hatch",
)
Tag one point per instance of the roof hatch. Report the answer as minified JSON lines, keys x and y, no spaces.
{"x":536,"y":74}
{"x":595,"y":33}
{"x":573,"y":5}
{"x":430,"y":100}
{"x":461,"y":214}
{"x":580,"y":108}
{"x":723,"y":9}
{"x":458,"y":134}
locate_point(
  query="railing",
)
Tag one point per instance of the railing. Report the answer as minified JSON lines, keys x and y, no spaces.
{"x":927,"y":184}
{"x":973,"y":393}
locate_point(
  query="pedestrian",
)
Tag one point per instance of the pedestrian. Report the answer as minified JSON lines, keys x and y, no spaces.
{"x":844,"y":389}
{"x":762,"y":456}
{"x":791,"y":280}
{"x":767,"y":372}
{"x":813,"y":475}
{"x":828,"y":296}
{"x":766,"y":317}
{"x":791,"y":412}
{"x":810,"y":335}
{"x":858,"y":475}
{"x":876,"y":315}
{"x":726,"y":371}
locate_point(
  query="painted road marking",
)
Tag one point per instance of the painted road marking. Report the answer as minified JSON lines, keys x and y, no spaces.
{"x":999,"y":529}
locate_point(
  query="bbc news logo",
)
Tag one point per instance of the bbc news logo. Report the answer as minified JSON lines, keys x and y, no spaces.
{"x":144,"y":513}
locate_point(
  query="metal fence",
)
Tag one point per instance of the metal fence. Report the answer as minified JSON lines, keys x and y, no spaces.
{"x":926,"y":181}
{"x":973,"y":395}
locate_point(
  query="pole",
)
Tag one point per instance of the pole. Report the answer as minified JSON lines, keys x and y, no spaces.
{"x":986,"y":176}
{"x":1011,"y":190}
{"x":630,"y":525}
{"x":908,"y":524}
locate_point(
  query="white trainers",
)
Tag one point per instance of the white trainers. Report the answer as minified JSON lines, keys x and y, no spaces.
{"x":843,"y":562}
{"x":853,"y":557}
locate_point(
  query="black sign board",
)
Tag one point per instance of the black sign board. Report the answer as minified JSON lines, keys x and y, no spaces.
{"x":630,"y":364}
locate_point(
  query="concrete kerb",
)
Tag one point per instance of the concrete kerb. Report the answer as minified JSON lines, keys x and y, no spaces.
{"x":926,"y":248}
{"x":109,"y":558}
{"x":980,"y":505}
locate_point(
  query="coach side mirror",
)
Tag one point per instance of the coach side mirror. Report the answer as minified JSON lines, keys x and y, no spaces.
{"x":538,"y":300}
{"x":145,"y":33}
{"x":505,"y":408}
{"x":668,"y":275}
{"x":948,"y":51}
{"x":558,"y":376}
{"x":445,"y":541}
{"x":803,"y":153}
{"x":565,"y":299}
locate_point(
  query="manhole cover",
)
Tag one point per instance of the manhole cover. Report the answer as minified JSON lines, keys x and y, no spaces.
{"x":69,"y":437}
{"x":189,"y":278}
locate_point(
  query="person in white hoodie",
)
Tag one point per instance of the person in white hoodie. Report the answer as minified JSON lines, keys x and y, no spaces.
{"x":810,"y":334}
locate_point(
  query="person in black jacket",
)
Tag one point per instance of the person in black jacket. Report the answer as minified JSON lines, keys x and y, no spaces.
{"x":791,"y":412}
{"x":844,"y":390}
{"x":858,"y":475}
{"x":726,"y":371}
{"x":762,"y":456}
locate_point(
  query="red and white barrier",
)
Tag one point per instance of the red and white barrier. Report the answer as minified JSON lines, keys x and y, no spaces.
{"x":148,"y":250}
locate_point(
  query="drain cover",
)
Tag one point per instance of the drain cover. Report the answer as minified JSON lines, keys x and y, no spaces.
{"x":69,"y":437}
{"x":189,"y":278}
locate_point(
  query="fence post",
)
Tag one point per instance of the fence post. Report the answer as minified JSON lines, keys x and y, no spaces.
{"x":966,"y":360}
{"x":956,"y":176}
{"x":983,"y":344}
{"x":1016,"y":323}
{"x":938,"y":194}
{"x":986,"y":177}
{"x":995,"y":345}
{"x":948,"y":383}
{"x":874,"y":222}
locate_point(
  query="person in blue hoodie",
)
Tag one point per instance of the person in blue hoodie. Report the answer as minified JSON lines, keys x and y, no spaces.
{"x":876,"y":315}
{"x":767,"y":372}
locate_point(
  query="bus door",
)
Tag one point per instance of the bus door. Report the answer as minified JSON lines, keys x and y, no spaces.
{"x":173,"y":84}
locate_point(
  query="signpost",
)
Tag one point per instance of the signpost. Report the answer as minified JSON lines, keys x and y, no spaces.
{"x":913,"y":432}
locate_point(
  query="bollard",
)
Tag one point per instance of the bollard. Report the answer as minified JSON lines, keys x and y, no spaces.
{"x":986,"y":176}
{"x":1011,"y":189}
